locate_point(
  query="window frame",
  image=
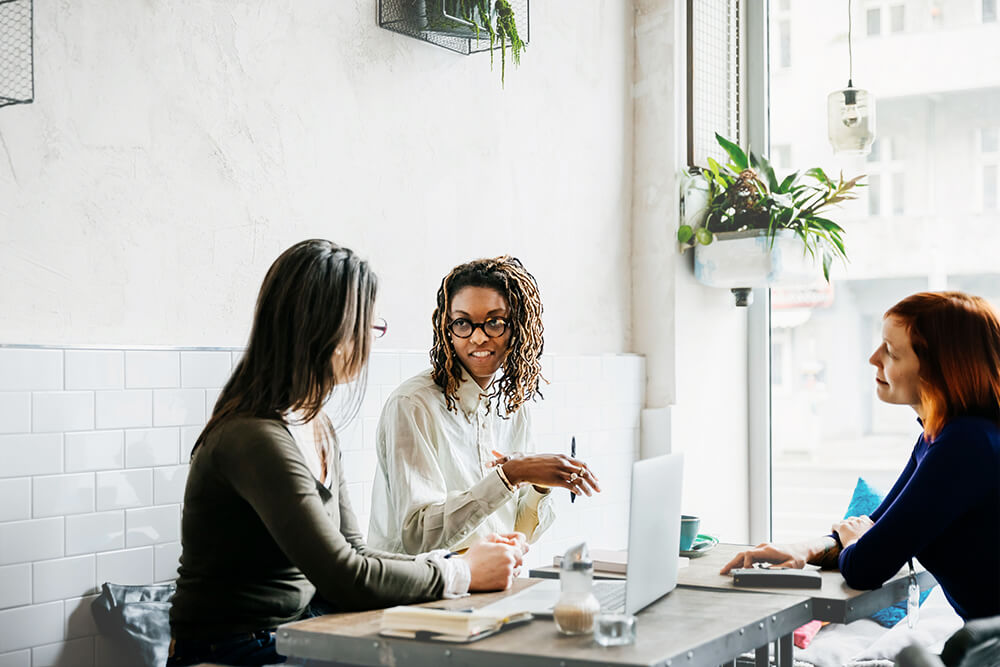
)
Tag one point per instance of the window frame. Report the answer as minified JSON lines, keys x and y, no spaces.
{"x":756,"y":107}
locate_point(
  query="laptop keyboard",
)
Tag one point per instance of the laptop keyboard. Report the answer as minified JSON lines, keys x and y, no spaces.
{"x":611,"y":595}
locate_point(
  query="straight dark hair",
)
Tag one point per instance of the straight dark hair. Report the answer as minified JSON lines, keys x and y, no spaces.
{"x":317,"y":299}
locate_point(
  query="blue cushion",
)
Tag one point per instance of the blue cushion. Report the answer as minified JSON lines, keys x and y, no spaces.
{"x":866,"y":500}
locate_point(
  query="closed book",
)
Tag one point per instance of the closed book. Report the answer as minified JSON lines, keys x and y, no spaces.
{"x":605,"y":560}
{"x":445,"y":624}
{"x":614,"y":562}
{"x":753,"y":577}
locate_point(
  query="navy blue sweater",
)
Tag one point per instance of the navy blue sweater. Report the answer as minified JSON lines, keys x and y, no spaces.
{"x":945,"y":510}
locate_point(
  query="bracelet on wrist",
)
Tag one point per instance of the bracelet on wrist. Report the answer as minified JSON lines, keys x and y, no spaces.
{"x":503,"y":478}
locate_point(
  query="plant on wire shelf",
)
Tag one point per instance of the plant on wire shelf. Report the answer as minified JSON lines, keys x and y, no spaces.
{"x":478,"y":13}
{"x":745,"y":194}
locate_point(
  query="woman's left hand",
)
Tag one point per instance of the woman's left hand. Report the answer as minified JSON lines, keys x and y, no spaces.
{"x":852,"y":528}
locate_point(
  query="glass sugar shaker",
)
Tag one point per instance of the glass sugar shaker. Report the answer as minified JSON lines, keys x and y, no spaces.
{"x":577,"y":607}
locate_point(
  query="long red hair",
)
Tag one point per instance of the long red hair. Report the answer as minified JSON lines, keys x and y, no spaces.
{"x":956,"y":337}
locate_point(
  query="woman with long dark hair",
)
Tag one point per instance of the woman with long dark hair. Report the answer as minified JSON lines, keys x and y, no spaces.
{"x":266,"y":537}
{"x":454,"y":443}
{"x":940,"y":354}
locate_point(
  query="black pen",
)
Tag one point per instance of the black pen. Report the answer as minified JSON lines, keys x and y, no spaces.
{"x":572,"y":453}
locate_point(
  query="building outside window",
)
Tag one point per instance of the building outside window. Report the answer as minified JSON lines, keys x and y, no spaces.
{"x":884,"y":18}
{"x":929,"y":219}
{"x":897,"y":18}
{"x":781,"y":156}
{"x":886,"y":181}
{"x":873,"y":21}
{"x":989,"y":158}
{"x":785,"y":43}
{"x":989,"y":11}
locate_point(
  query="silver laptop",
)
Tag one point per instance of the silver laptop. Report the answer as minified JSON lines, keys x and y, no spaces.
{"x":654,"y":534}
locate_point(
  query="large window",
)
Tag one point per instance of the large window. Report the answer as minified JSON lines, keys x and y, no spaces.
{"x":929,"y":219}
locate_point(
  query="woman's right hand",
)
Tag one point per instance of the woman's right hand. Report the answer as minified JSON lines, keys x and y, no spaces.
{"x":552,"y":470}
{"x":783,"y":555}
{"x":491,"y":566}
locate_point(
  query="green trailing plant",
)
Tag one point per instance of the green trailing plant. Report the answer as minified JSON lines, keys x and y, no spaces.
{"x":502,"y":28}
{"x":745,"y":194}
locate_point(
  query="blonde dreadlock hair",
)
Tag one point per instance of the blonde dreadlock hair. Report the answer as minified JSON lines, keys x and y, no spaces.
{"x":522,"y":369}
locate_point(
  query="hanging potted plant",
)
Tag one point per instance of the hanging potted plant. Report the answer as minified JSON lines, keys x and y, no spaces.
{"x":472,"y":19}
{"x":755,"y":231}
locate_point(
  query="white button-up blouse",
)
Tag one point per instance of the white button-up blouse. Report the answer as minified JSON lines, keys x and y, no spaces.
{"x":433,"y":489}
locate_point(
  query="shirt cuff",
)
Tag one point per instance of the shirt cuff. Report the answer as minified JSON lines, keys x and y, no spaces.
{"x":493,"y":490}
{"x":536,"y":497}
{"x":454,"y":571}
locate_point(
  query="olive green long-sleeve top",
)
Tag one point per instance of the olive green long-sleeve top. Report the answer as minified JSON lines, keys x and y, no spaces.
{"x":260,"y":535}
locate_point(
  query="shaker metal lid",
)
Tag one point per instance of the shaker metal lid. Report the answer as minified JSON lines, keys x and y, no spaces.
{"x":577,"y":558}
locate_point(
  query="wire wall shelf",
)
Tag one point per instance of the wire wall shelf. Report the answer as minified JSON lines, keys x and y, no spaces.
{"x":439,"y":22}
{"x":17,"y":72}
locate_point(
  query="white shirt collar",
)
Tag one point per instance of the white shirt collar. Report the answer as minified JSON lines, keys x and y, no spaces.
{"x":471,"y":397}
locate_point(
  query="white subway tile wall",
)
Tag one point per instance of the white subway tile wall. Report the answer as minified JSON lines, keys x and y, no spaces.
{"x":16,"y":659}
{"x":95,"y":369}
{"x":93,"y":450}
{"x":15,"y":498}
{"x":15,"y":585}
{"x":124,"y":409}
{"x":96,"y":442}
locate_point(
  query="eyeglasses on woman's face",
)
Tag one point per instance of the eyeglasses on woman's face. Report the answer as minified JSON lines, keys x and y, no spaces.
{"x":463,"y":328}
{"x":379,"y":327}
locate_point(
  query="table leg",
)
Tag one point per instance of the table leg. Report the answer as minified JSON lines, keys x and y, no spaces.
{"x":784,"y":651}
{"x":761,"y":657}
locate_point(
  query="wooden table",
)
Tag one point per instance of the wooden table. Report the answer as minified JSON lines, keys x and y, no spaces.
{"x":687,"y":628}
{"x":835,"y":601}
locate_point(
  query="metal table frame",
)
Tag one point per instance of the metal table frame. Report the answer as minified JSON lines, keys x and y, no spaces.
{"x":835,"y":601}
{"x":700,"y":628}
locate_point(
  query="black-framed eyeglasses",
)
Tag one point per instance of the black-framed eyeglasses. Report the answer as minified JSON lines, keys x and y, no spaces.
{"x":379,"y":327}
{"x":463,"y":328}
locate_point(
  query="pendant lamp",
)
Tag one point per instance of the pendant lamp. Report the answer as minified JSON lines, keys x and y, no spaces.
{"x":850,"y":111}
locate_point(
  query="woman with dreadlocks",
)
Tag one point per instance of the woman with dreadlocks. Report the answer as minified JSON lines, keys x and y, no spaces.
{"x":442,"y":484}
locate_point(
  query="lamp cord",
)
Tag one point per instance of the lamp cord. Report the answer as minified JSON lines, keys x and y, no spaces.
{"x":850,"y":54}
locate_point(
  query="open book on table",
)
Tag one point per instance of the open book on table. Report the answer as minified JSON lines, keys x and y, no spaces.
{"x":446,"y":625}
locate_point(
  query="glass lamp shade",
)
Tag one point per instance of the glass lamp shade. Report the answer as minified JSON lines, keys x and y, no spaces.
{"x":851,"y":120}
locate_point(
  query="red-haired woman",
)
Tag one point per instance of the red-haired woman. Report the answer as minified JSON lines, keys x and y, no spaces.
{"x":940,"y":354}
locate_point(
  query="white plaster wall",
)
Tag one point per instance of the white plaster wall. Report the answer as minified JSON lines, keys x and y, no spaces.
{"x":174,"y":149}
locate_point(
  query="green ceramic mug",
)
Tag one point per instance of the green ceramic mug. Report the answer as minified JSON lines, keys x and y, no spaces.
{"x":689,"y":530}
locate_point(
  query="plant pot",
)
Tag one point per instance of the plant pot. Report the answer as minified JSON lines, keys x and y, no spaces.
{"x":443,"y":17}
{"x":749,"y":259}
